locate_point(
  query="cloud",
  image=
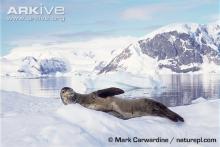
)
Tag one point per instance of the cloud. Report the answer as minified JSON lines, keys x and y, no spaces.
{"x":99,"y":43}
{"x":61,"y":37}
{"x":98,"y":22}
{"x":148,"y":11}
{"x":83,"y":35}
{"x":213,"y":17}
{"x":145,"y":12}
{"x":150,"y":28}
{"x":79,"y":35}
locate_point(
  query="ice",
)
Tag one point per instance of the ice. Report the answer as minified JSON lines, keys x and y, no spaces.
{"x":199,"y":100}
{"x":39,"y":122}
{"x":124,"y":80}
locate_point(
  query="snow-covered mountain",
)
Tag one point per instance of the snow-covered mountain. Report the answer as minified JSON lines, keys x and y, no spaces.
{"x":180,"y":48}
{"x":53,"y":62}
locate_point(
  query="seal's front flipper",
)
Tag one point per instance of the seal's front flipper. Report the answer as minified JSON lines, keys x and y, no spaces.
{"x":108,"y":92}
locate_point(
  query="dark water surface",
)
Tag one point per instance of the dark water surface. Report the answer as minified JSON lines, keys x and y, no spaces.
{"x":177,"y":90}
{"x":182,"y":89}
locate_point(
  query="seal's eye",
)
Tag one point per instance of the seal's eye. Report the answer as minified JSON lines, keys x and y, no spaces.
{"x":63,"y":91}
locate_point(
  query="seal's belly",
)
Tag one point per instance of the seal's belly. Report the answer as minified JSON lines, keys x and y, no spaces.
{"x":126,"y":108}
{"x":99,"y":105}
{"x":131,"y":108}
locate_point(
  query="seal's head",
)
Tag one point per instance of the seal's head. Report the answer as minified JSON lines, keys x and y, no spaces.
{"x":68,"y":95}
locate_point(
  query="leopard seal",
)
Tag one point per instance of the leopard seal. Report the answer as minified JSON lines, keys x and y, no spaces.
{"x":106,"y":101}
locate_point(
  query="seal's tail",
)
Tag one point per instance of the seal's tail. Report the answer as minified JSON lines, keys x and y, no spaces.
{"x":173,"y":116}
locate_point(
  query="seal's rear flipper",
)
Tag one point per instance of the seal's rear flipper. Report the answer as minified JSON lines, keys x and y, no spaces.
{"x":108,"y":92}
{"x":173,"y":116}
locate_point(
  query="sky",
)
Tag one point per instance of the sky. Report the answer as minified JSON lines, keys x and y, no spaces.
{"x":86,"y":20}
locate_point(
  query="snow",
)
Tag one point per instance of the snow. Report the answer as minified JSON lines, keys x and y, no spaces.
{"x":208,"y":67}
{"x":89,"y":57}
{"x":179,"y":27}
{"x":29,"y":121}
{"x":84,"y":57}
{"x":199,"y":100}
{"x":140,"y":63}
{"x":188,"y":28}
{"x":78,"y":57}
{"x":214,"y":30}
{"x":209,"y":32}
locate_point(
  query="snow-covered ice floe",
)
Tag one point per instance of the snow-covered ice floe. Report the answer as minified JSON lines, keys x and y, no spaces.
{"x":42,"y":122}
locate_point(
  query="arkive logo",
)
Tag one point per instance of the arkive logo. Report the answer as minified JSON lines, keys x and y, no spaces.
{"x":36,"y":10}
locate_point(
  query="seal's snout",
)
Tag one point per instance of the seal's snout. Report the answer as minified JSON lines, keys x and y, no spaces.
{"x":67,"y":95}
